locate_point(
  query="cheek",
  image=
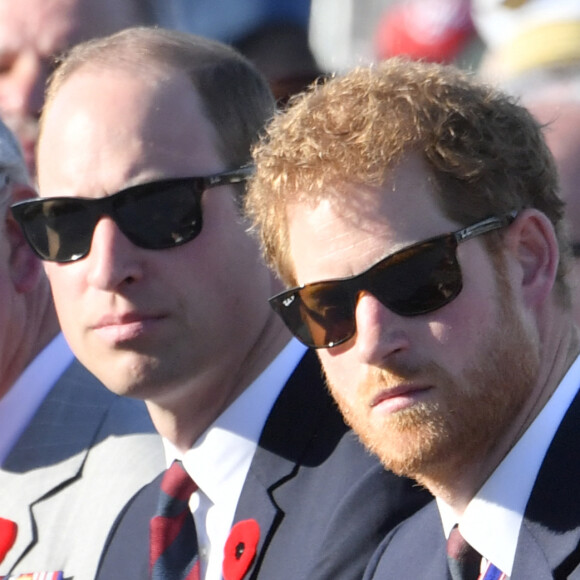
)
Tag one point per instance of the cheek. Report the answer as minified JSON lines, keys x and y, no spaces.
{"x":64,"y":287}
{"x":340,"y":369}
{"x":459,"y":328}
{"x":457,"y":340}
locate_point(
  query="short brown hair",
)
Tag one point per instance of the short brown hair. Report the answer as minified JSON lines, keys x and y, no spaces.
{"x":486,"y":153}
{"x":235,"y":96}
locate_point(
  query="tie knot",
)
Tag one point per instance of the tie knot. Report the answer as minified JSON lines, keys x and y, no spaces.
{"x":457,"y":546}
{"x":177,"y":483}
{"x":464,"y":561}
{"x":173,"y":542}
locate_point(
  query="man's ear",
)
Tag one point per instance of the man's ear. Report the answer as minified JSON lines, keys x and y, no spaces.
{"x":531,"y":241}
{"x":25,"y":266}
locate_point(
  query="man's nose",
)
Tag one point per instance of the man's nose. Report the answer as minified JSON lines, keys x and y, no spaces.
{"x":379,"y":331}
{"x":113,"y":260}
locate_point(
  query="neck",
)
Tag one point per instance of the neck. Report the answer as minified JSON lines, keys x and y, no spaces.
{"x":458,"y":480}
{"x":183,"y":416}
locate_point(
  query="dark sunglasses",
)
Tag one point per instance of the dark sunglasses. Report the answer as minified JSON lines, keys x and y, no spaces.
{"x":415,"y":280}
{"x":156,"y":215}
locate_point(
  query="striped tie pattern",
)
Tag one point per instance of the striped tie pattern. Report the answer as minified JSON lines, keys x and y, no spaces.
{"x":465,"y":562}
{"x":492,"y":573}
{"x":173,"y":541}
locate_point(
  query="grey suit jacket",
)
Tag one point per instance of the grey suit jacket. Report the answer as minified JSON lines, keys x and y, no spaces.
{"x":549,"y":540}
{"x":81,"y":458}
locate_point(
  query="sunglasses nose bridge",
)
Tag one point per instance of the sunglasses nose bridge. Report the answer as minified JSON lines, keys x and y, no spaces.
{"x":380,"y":332}
{"x":361,"y":284}
{"x":97,"y":210}
{"x":105,"y":207}
{"x":353,"y":289}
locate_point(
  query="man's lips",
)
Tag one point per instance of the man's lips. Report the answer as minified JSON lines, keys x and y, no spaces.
{"x":397,"y":398}
{"x":123,"y":327}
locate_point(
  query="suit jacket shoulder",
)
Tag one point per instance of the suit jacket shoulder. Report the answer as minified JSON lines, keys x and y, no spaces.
{"x":414,"y":549}
{"x":82,"y":457}
{"x":549,"y":541}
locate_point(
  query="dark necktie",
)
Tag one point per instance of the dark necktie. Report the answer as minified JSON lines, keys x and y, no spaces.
{"x":173,"y":541}
{"x":465,"y":562}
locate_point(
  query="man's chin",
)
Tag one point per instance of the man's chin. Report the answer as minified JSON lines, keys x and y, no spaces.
{"x":406,"y":441}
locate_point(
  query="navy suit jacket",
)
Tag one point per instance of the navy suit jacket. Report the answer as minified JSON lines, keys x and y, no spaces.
{"x":549,"y":541}
{"x":323,"y":503}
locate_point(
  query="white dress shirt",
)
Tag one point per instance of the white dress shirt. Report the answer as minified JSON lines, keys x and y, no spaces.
{"x":220,"y":459}
{"x":21,"y":402}
{"x":492,"y":520}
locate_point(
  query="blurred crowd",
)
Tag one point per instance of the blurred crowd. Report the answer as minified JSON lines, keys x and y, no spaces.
{"x":296,"y":41}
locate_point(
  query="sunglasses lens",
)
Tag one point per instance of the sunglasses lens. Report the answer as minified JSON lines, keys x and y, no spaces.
{"x":59,"y":229}
{"x":328,"y":309}
{"x":154,"y":216}
{"x":320,"y":314}
{"x":160,"y":215}
{"x":414,"y":281}
{"x":418,"y":279}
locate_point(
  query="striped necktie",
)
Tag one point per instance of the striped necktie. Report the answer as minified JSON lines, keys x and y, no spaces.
{"x":465,"y":562}
{"x":173,"y":541}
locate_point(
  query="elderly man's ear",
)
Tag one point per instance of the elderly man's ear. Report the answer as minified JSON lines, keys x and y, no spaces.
{"x":532,"y":242}
{"x":25,"y":267}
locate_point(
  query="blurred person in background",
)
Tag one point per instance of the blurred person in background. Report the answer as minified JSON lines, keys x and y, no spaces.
{"x":272,"y":34}
{"x":280,"y":51}
{"x":532,"y":50}
{"x":522,"y":36}
{"x":230,"y":21}
{"x":432,"y":30}
{"x":552,"y":94}
{"x":32,"y":34}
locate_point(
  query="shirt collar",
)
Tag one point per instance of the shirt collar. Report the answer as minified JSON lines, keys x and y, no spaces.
{"x":21,"y":402}
{"x":219,"y":472}
{"x":492,"y":520}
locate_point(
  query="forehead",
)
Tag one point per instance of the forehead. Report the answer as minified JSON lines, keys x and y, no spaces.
{"x":344,"y":236}
{"x":106,"y":128}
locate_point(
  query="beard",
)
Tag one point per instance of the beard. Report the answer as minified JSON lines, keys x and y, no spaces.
{"x":471,"y":414}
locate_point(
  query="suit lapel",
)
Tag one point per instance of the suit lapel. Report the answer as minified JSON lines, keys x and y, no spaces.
{"x":51,"y":452}
{"x":549,"y":541}
{"x":292,"y":424}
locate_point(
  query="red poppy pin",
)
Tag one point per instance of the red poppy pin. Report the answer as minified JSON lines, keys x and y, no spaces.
{"x":240,"y":549}
{"x":8,"y":530}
